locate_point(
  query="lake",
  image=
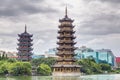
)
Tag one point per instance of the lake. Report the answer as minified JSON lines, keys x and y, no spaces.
{"x":88,"y":77}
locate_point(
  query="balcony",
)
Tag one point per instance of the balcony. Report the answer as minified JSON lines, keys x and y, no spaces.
{"x":24,"y":49}
{"x":25,"y":44}
{"x":66,"y":48}
{"x":66,"y":42}
{"x":66,"y":36}
{"x":66,"y":59}
{"x":25,"y":39}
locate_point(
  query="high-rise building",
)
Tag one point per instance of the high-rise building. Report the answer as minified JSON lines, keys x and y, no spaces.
{"x":100,"y":56}
{"x":65,"y":64}
{"x":24,"y":46}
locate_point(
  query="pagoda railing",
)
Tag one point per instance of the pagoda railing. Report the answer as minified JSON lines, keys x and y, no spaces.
{"x":30,"y":49}
{"x":65,"y":52}
{"x":66,"y":41}
{"x":66,"y":59}
{"x":24,"y":39}
{"x":66,"y":29}
{"x":65,"y":24}
{"x":67,"y":36}
{"x":23,"y":44}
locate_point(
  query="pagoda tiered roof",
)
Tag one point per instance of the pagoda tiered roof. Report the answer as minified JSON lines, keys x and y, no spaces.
{"x":66,"y":25}
{"x":25,"y":39}
{"x":67,"y":60}
{"x":62,"y":31}
{"x":25,"y":34}
{"x":66,"y":36}
{"x":66,"y":42}
{"x":22,"y":49}
{"x":24,"y":54}
{"x":66,"y":18}
{"x":24,"y":46}
{"x":60,"y":54}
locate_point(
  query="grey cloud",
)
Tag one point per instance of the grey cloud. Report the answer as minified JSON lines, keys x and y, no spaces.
{"x":111,"y":1}
{"x":21,"y":7}
{"x":101,"y":25}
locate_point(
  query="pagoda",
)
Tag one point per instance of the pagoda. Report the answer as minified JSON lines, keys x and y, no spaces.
{"x":65,"y":64}
{"x":24,"y":46}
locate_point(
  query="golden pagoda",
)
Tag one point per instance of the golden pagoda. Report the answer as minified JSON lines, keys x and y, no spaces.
{"x":65,"y":64}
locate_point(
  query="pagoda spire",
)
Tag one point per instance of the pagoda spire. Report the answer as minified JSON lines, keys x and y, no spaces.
{"x":25,"y":28}
{"x":66,"y":12}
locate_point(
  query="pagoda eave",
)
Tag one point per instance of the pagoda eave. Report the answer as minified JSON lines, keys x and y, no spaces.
{"x":30,"y":40}
{"x":66,"y":20}
{"x":73,"y":43}
{"x":62,"y":26}
{"x":60,"y":54}
{"x":61,"y":37}
{"x":69,"y":48}
{"x":25,"y":44}
{"x":62,"y":31}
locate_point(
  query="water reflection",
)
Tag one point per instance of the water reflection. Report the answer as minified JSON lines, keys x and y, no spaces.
{"x":65,"y":78}
{"x":89,"y":77}
{"x":16,"y":78}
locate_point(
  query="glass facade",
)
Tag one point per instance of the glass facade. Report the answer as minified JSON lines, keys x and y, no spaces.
{"x":100,"y":56}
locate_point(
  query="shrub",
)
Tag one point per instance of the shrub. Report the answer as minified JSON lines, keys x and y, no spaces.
{"x":20,"y":68}
{"x":44,"y":69}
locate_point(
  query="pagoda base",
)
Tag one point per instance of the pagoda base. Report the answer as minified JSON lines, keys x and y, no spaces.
{"x":66,"y":74}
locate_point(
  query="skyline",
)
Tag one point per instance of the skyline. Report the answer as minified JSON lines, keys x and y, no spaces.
{"x":97,"y":23}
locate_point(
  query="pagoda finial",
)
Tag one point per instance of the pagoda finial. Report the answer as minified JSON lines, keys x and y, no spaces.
{"x":66,"y":12}
{"x":25,"y":28}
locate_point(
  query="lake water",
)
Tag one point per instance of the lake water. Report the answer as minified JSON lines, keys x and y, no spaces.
{"x":89,"y":77}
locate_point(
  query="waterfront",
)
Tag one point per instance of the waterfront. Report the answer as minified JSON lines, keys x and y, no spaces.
{"x":88,"y":77}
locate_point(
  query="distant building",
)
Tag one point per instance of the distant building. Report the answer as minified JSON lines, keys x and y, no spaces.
{"x":24,"y":46}
{"x":117,"y":62}
{"x":79,"y":52}
{"x":51,"y":53}
{"x":12,"y":55}
{"x":9,"y":54}
{"x":38,"y":56}
{"x":100,"y":56}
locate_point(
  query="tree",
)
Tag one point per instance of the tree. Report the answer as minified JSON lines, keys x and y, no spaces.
{"x":89,"y":66}
{"x":20,"y":68}
{"x":44,"y":69}
{"x":48,"y":61}
{"x":105,"y":67}
{"x":4,"y":67}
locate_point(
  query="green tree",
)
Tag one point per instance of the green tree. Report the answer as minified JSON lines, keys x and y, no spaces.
{"x":12,"y":60}
{"x":48,"y":61}
{"x":89,"y":66}
{"x":44,"y":69}
{"x":105,"y":67}
{"x":20,"y":68}
{"x":4,"y":67}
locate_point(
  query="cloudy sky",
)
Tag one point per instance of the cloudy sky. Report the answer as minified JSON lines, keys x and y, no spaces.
{"x":97,"y":23}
